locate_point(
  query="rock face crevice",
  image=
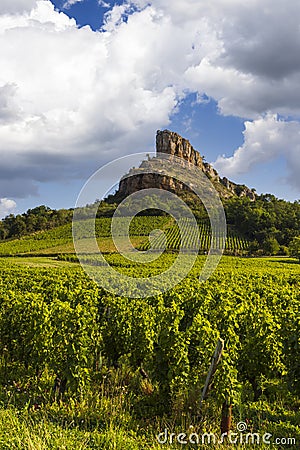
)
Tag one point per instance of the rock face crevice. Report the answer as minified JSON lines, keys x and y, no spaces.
{"x":172,"y":143}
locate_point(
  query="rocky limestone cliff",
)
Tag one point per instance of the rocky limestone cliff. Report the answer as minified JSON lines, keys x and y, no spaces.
{"x":173,"y":144}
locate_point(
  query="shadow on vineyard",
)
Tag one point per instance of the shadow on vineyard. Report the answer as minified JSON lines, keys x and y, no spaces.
{"x":285,"y":261}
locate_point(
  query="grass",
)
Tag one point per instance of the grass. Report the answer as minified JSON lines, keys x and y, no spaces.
{"x":37,"y":261}
{"x":105,"y":244}
{"x":22,"y":431}
{"x":109,"y":420}
{"x":44,"y":248}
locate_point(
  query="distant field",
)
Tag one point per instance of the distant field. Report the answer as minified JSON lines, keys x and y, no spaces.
{"x":60,"y":240}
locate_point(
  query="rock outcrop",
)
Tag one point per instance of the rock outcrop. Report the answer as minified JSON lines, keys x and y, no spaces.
{"x":173,"y":144}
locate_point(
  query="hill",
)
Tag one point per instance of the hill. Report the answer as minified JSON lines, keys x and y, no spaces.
{"x":170,"y":143}
{"x":59,"y":240}
{"x":260,"y":224}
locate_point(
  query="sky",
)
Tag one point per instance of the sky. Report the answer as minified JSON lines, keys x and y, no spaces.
{"x":83,"y":82}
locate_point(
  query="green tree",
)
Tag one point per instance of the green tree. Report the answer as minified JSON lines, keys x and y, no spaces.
{"x":295,"y":247}
{"x":3,"y":231}
{"x":19,"y":226}
{"x":271,"y":246}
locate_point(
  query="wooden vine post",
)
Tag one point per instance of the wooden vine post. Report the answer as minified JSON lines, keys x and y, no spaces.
{"x":212,"y":370}
{"x":226,"y":418}
{"x":226,"y":408}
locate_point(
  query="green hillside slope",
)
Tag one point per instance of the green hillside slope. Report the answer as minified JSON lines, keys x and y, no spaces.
{"x":59,"y":240}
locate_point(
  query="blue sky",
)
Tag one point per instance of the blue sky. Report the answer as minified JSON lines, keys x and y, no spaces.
{"x":83,"y":82}
{"x":87,"y":12}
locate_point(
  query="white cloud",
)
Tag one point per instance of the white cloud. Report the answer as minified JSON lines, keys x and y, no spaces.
{"x":70,"y":98}
{"x":16,"y":6}
{"x":265,"y":139}
{"x":103,"y":4}
{"x":80,"y":94}
{"x":7,"y":206}
{"x":248,"y":52}
{"x":70,"y":3}
{"x":9,"y":110}
{"x":82,"y":72}
{"x":254,"y":66}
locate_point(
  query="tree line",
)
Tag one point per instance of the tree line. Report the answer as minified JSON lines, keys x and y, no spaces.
{"x":271,"y":224}
{"x":37,"y":219}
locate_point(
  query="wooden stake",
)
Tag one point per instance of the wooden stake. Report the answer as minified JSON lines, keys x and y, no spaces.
{"x":226,"y":419}
{"x":213,"y":367}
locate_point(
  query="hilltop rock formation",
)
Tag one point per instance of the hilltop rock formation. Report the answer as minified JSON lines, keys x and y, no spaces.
{"x":173,"y":144}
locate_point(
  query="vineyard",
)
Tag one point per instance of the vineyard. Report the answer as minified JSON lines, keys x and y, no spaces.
{"x":59,"y":240}
{"x":85,"y":369}
{"x":193,"y":239}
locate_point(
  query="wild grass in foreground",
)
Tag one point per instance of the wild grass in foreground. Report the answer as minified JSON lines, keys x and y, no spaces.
{"x":118,"y":416}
